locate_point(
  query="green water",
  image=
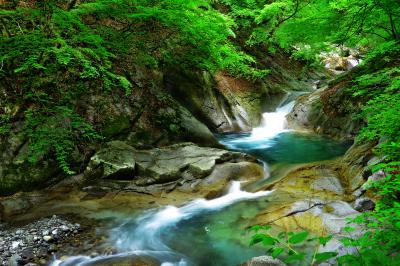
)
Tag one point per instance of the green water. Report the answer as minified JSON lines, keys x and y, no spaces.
{"x":214,"y":232}
{"x":287,"y":147}
{"x":219,"y":236}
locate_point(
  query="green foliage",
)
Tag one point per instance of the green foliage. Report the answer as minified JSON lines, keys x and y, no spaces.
{"x":56,"y":130}
{"x":306,"y":28}
{"x":5,"y":125}
{"x":379,"y":244}
{"x":194,"y":34}
{"x":291,"y":246}
{"x":52,"y":55}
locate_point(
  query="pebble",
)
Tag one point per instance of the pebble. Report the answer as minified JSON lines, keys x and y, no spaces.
{"x":20,"y":246}
{"x":47,"y":238}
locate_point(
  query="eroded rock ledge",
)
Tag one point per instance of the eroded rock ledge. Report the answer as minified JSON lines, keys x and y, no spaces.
{"x":185,"y":165}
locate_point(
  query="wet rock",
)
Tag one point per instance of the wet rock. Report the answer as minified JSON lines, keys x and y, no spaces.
{"x":223,"y":174}
{"x":329,"y":183}
{"x":364,"y":204}
{"x":47,"y":238}
{"x":319,"y":216}
{"x":185,"y":161}
{"x":22,"y":245}
{"x":264,"y":261}
{"x":379,"y":175}
{"x":115,"y":160}
{"x":309,"y":114}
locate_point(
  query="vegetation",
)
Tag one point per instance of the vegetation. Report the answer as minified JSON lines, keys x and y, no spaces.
{"x":290,"y":245}
{"x":53,"y":52}
{"x":308,"y":27}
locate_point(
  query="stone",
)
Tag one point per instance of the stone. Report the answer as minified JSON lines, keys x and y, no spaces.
{"x":264,"y":261}
{"x":47,"y":238}
{"x":185,"y":161}
{"x":64,"y":228}
{"x":115,"y":161}
{"x":379,"y":175}
{"x":330,"y":183}
{"x":364,"y":204}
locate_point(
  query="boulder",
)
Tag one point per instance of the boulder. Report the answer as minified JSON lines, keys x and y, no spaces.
{"x":165,"y":168}
{"x":264,"y":261}
{"x":364,"y":204}
{"x":116,"y":161}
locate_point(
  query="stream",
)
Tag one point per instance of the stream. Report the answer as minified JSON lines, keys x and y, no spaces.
{"x":213,"y":232}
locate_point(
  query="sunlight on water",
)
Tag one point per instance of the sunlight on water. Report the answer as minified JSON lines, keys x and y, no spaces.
{"x":212,"y":232}
{"x":144,"y":235}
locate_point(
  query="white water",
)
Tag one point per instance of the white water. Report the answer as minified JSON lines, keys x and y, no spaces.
{"x":145,"y":238}
{"x":272,"y":124}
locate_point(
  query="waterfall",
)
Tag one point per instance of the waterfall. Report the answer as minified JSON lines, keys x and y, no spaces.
{"x":272,"y":123}
{"x":143,"y":236}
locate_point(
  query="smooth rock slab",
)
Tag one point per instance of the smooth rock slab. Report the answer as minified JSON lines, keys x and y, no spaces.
{"x":328,"y":183}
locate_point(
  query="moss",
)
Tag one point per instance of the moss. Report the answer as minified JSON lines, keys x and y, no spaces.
{"x":115,"y":126}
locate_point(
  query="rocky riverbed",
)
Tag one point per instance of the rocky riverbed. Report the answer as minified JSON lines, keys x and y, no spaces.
{"x":41,"y":241}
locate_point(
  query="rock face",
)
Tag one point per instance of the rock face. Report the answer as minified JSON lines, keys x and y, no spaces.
{"x":222,"y":103}
{"x":309,"y":114}
{"x":312,"y":197}
{"x":170,"y":166}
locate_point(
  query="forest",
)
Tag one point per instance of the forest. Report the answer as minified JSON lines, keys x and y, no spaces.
{"x":154,"y":109}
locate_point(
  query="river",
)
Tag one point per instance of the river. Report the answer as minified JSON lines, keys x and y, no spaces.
{"x":213,"y":232}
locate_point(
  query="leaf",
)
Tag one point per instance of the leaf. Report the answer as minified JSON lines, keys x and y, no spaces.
{"x":277,"y":251}
{"x":298,"y":238}
{"x":268,"y":241}
{"x":255,"y":228}
{"x":294,"y":258}
{"x":349,"y":229}
{"x":324,"y":240}
{"x":257,"y":238}
{"x":282,"y":235}
{"x":324,"y":256}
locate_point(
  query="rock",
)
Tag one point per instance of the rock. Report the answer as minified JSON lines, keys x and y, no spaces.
{"x":364,"y":204}
{"x":185,"y":161}
{"x":319,"y":216}
{"x":47,"y":238}
{"x":379,"y":175}
{"x":223,"y":174}
{"x":311,"y":113}
{"x":64,"y":228}
{"x":329,"y":183}
{"x":14,"y":260}
{"x":114,"y":161}
{"x":264,"y":261}
{"x":334,"y":245}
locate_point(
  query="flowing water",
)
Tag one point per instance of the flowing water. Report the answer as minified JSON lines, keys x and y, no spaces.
{"x":213,"y":232}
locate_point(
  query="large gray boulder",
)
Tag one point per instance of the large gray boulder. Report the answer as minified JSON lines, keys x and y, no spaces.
{"x":170,"y":165}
